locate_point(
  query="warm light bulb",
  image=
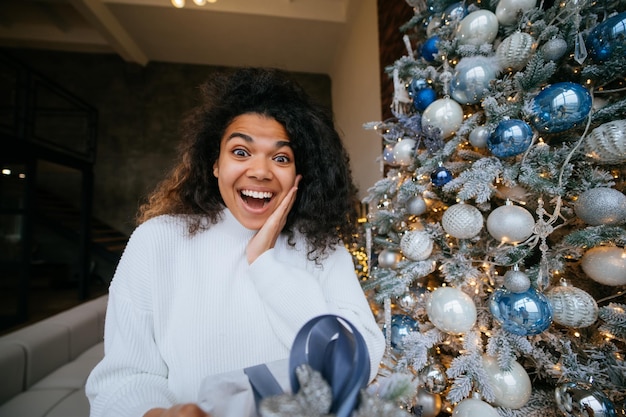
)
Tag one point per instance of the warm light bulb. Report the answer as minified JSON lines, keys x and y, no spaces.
{"x":199,"y":2}
{"x":178,"y":3}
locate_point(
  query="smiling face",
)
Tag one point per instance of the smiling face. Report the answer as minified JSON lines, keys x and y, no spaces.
{"x":255,"y":168}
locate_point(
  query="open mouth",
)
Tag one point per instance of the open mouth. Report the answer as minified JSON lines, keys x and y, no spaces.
{"x":256,"y":199}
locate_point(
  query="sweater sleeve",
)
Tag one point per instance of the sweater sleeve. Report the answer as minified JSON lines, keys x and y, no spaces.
{"x":132,"y":376}
{"x":294,"y":295}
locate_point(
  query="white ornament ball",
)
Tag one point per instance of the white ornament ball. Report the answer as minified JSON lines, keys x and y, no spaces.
{"x":416,"y":245}
{"x":507,"y":10}
{"x":477,"y":28}
{"x":606,"y":144}
{"x":554,"y":49}
{"x":510,"y":224}
{"x":605,"y":264}
{"x":416,"y":205}
{"x":388,"y":258}
{"x":478,"y":137}
{"x":444,"y":114}
{"x":515,"y":51}
{"x":451,"y":310}
{"x":512,"y":388}
{"x":602,"y":205}
{"x":473,"y":407}
{"x":572,"y":307}
{"x":516,"y":281}
{"x":404,"y":151}
{"x":462,"y":221}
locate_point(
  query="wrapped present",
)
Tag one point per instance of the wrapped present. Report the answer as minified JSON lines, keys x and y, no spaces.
{"x":231,"y":395}
{"x":327,"y":347}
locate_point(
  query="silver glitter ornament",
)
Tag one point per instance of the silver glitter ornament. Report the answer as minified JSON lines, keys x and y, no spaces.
{"x":416,"y":245}
{"x":554,"y":49}
{"x":606,"y":144}
{"x":572,"y":307}
{"x":515,"y":51}
{"x":462,"y":221}
{"x":516,"y":281}
{"x":602,"y":205}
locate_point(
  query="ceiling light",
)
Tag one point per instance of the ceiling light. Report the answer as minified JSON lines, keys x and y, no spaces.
{"x":199,"y":2}
{"x":178,"y":3}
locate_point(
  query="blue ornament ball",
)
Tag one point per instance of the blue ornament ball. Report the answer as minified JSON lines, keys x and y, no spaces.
{"x":454,"y":13}
{"x":581,"y":399}
{"x":441,"y":176}
{"x":471,"y":79}
{"x":429,"y":48}
{"x":524,"y":314}
{"x":424,"y":98}
{"x":416,"y":85}
{"x":561,"y":106}
{"x":401,"y":326}
{"x":388,"y":155}
{"x":606,"y":37}
{"x":434,"y":7}
{"x":511,"y":137}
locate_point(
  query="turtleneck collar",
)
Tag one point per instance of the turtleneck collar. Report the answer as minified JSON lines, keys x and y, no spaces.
{"x":230,"y":222}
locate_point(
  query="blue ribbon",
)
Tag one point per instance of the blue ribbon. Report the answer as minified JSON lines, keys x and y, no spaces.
{"x":332,"y":346}
{"x":335,"y":348}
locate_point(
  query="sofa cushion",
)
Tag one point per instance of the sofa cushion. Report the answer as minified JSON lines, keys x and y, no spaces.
{"x":82,"y":326}
{"x":74,"y":374}
{"x":34,"y":403}
{"x":74,"y":405}
{"x":85,"y":323}
{"x":12,"y":369}
{"x":46,"y":346}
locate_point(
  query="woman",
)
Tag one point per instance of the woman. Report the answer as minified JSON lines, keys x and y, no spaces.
{"x":235,"y":251}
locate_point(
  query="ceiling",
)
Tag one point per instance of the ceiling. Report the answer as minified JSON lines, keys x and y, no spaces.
{"x":296,"y":35}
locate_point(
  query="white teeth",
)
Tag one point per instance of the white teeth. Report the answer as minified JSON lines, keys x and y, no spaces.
{"x":256,"y":194}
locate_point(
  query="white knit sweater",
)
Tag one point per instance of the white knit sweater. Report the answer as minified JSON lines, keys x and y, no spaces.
{"x":181,"y":308}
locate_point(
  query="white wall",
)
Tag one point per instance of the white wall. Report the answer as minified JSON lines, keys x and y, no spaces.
{"x":356,"y":92}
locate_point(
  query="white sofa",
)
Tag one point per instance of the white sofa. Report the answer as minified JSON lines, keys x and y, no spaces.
{"x":44,"y":366}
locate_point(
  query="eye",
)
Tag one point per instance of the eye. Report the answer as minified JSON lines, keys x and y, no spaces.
{"x":240,"y":152}
{"x":282,"y":159}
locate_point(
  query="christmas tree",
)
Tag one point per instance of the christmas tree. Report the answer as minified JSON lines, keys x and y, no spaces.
{"x":495,"y":241}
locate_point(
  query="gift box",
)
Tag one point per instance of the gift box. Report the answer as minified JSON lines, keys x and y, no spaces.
{"x":231,"y":395}
{"x":327,"y":345}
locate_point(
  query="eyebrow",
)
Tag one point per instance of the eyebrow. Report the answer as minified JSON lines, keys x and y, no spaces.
{"x":248,"y":138}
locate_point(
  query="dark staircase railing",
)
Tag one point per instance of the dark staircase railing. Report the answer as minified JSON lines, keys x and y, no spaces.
{"x":42,"y":121}
{"x":64,"y":218}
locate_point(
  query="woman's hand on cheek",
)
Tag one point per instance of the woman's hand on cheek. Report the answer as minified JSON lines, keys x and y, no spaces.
{"x":266,"y":237}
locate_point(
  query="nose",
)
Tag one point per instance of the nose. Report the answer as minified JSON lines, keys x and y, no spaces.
{"x":260,"y":169}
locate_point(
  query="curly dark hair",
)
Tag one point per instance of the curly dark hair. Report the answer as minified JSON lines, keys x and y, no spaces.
{"x":325,"y":207}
